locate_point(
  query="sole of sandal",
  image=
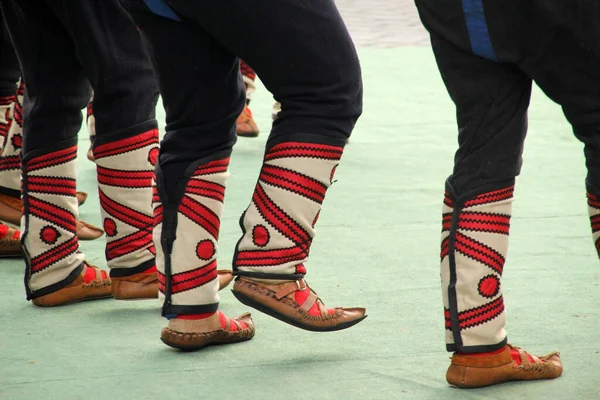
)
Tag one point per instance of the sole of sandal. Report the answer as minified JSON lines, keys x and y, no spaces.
{"x":15,"y":255}
{"x":248,"y":135}
{"x":194,"y":347}
{"x":109,"y":296}
{"x":284,"y":318}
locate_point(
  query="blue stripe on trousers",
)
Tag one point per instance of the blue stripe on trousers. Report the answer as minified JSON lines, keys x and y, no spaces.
{"x":479,"y":35}
{"x":159,"y":7}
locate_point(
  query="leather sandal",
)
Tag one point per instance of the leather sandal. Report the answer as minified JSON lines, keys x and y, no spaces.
{"x":78,"y":290}
{"x":189,"y":335}
{"x":225,"y":277}
{"x":135,"y":287}
{"x":11,"y":209}
{"x":471,"y":371}
{"x":86,"y":231}
{"x":245,"y":124}
{"x":81,"y":197}
{"x":10,"y":242}
{"x":16,"y":204}
{"x":296,"y":304}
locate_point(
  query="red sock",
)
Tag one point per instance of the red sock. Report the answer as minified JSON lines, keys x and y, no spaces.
{"x":300,"y":297}
{"x":151,"y":270}
{"x":232,"y":326}
{"x":195,"y":316}
{"x":517,"y":357}
{"x":4,"y":232}
{"x":90,"y":274}
{"x":222,"y":319}
{"x":514,"y":354}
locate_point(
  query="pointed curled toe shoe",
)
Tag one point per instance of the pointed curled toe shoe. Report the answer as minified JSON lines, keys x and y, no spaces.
{"x":86,"y":231}
{"x":245,"y":125}
{"x":92,"y":284}
{"x":296,"y":304}
{"x":509,"y":364}
{"x":225,"y":278}
{"x":189,"y":335}
{"x":81,"y":197}
{"x":10,"y":242}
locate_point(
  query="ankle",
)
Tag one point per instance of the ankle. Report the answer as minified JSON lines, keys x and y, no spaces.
{"x":151,"y":270}
{"x":488,"y":353}
{"x":194,"y":316}
{"x":268,"y":281}
{"x":89,"y":274}
{"x":194,"y":325}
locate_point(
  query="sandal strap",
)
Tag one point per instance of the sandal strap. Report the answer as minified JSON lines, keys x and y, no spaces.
{"x":291,"y":287}
{"x":237,"y":323}
{"x":14,"y":233}
{"x":97,"y":271}
{"x":229,"y":321}
{"x":310,"y":301}
{"x":8,"y":232}
{"x":523,"y":355}
{"x":536,"y":359}
{"x":98,"y":274}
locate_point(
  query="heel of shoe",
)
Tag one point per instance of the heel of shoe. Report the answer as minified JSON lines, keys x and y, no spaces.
{"x":456,"y":375}
{"x":136,"y":287}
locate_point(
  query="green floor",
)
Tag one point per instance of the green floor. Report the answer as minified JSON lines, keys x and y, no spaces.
{"x":377,"y":246}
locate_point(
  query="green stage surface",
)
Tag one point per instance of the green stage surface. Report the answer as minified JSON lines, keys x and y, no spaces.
{"x":377,"y":246}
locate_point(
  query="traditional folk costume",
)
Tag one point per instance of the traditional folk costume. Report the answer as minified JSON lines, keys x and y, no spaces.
{"x":320,"y":108}
{"x":98,"y":44}
{"x":489,"y":54}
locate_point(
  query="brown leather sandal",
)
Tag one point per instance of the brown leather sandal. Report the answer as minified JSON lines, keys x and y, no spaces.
{"x":10,"y":242}
{"x":99,"y":288}
{"x":189,"y":335}
{"x":135,"y":287}
{"x":81,"y":197}
{"x":296,"y":304}
{"x":245,"y":124}
{"x":86,"y":231}
{"x":11,"y":209}
{"x":225,"y":277}
{"x":471,"y":371}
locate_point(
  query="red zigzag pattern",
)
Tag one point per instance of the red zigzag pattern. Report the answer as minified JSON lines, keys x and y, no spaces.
{"x":478,"y":315}
{"x":50,"y":212}
{"x":293,"y":182}
{"x":201,"y":215}
{"x":475,"y":221}
{"x":143,"y":223}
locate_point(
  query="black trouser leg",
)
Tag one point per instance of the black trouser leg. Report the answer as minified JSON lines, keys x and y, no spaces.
{"x":62,"y":47}
{"x":491,"y":106}
{"x":57,"y":88}
{"x":305,"y":58}
{"x":10,"y":71}
{"x":201,"y":90}
{"x":491,"y":101}
{"x":112,"y":56}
